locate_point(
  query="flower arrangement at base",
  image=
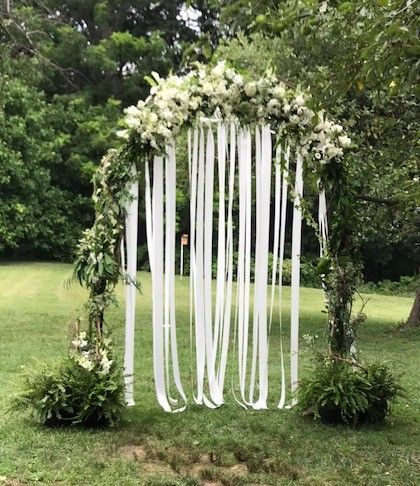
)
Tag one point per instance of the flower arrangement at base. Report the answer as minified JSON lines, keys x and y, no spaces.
{"x":85,"y":388}
{"x":339,"y":391}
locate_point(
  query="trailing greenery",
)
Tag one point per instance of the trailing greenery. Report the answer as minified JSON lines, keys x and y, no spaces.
{"x":85,"y":388}
{"x":97,"y":265}
{"x":340,"y":391}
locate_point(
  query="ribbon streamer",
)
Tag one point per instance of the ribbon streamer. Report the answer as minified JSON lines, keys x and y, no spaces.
{"x":295,"y":279}
{"x":131,"y":221}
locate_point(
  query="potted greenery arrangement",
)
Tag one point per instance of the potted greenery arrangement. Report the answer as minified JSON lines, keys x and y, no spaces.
{"x":84,"y":388}
{"x":341,"y":392}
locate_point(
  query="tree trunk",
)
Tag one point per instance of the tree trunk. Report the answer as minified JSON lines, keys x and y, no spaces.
{"x":414,"y":317}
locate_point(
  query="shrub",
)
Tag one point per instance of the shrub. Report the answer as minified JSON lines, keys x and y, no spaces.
{"x":85,"y":388}
{"x":405,"y":286}
{"x":339,"y":392}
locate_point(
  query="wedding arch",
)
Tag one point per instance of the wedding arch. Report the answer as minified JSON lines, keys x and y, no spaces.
{"x":245,"y":141}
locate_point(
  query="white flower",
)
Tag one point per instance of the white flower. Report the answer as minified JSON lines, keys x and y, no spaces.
{"x":250,"y":89}
{"x":105,"y":365}
{"x":272,"y":104}
{"x":344,"y":141}
{"x":153,"y":117}
{"x":333,"y":151}
{"x":123,"y":134}
{"x":85,"y":362}
{"x":237,"y":79}
{"x":219,"y":69}
{"x":132,"y":122}
{"x":294,"y":119}
{"x":132,"y":111}
{"x":323,"y":7}
{"x":208,"y":88}
{"x":299,"y":100}
{"x":279,"y":91}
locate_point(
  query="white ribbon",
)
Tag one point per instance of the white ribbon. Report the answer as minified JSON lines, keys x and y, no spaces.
{"x":283,"y":216}
{"x":131,"y":222}
{"x":165,"y":353}
{"x":295,"y":279}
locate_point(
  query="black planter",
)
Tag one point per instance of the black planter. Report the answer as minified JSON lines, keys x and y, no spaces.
{"x":95,"y":420}
{"x":330,"y":414}
{"x":376,"y":413}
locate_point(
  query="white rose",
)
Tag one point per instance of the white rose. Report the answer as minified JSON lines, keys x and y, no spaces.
{"x":250,"y":89}
{"x":344,"y":141}
{"x":334,"y":151}
{"x":299,"y":100}
{"x":237,"y":79}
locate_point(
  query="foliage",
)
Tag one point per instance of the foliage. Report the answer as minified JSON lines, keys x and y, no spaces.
{"x":66,"y":69}
{"x":42,"y":209}
{"x":97,"y":264}
{"x":347,"y":54}
{"x":405,"y":286}
{"x":324,"y":46}
{"x":86,"y":388}
{"x":338,"y":391}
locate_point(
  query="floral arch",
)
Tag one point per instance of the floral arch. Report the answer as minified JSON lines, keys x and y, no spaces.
{"x":245,"y":138}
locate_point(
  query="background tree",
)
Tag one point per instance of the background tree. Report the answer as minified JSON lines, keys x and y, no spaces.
{"x":359,"y":60}
{"x":67,"y":69}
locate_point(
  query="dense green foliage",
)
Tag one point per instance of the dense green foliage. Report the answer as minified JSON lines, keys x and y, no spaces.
{"x":67,"y":68}
{"x":84,"y":389}
{"x":359,"y":60}
{"x":84,"y":61}
{"x":338,"y":393}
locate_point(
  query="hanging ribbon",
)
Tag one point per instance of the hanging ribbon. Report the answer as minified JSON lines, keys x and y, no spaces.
{"x":283,"y":215}
{"x":165,"y":353}
{"x":295,"y":279}
{"x":130,"y":278}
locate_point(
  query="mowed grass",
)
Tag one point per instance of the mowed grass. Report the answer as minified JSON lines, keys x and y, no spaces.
{"x":227,"y":446}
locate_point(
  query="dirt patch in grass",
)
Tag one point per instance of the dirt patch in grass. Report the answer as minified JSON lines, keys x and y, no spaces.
{"x":4,"y":481}
{"x":133,"y":452}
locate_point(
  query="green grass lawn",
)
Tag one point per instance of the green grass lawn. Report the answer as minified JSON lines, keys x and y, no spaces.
{"x":228,"y":446}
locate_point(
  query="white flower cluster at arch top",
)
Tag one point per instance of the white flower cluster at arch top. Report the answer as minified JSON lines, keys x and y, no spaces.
{"x":216,"y":93}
